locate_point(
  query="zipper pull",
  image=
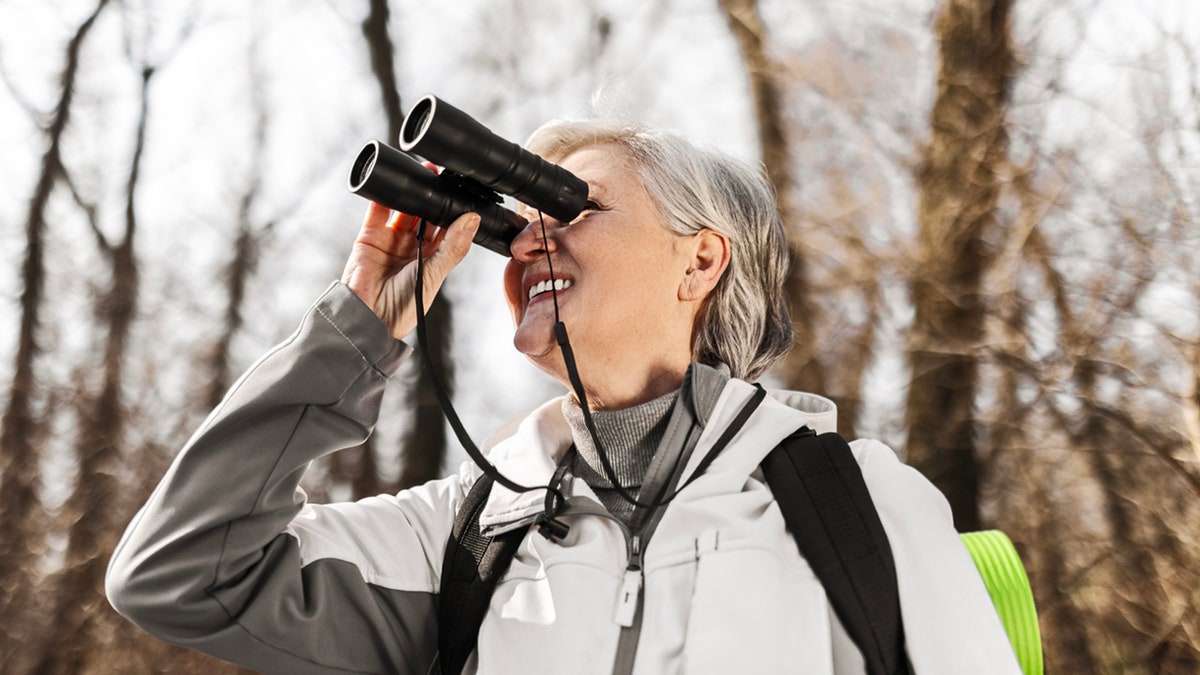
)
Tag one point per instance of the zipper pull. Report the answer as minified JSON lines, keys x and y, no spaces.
{"x":627,"y":602}
{"x":631,"y":585}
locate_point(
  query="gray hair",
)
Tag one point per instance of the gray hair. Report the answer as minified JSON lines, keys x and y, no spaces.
{"x":745,"y":322}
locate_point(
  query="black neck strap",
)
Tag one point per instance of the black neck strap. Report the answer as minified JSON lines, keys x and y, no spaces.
{"x":554,"y":498}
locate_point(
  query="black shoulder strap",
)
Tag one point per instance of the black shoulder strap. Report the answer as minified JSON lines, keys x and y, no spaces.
{"x":825,"y":502}
{"x":470,"y":569}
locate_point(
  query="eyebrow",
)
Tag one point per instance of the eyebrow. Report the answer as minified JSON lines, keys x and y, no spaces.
{"x":596,"y":188}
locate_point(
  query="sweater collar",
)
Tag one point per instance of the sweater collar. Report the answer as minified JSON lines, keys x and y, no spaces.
{"x":528,"y":450}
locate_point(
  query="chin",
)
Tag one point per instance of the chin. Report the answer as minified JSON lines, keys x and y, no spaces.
{"x":538,"y":345}
{"x":535,"y":341}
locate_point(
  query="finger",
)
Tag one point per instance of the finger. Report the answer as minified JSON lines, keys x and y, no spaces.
{"x":452,"y":245}
{"x":377,"y":215}
{"x":379,"y":229}
{"x":427,"y":237}
{"x":403,"y":222}
{"x":405,"y":232}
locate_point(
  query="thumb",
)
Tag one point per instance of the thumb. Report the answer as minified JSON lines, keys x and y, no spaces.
{"x":454,"y":246}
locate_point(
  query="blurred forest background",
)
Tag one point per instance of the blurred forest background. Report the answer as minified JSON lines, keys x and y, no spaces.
{"x":993,"y":211}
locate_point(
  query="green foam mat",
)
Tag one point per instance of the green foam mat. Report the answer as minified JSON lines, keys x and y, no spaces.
{"x":1004,"y":574}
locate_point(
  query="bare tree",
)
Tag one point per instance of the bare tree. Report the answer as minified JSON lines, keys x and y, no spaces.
{"x":423,"y":449}
{"x":1191,"y":398}
{"x":960,"y":186}
{"x":803,"y":368}
{"x":246,"y":245}
{"x":375,"y":29}
{"x":80,"y":605}
{"x":1024,"y":489}
{"x":22,"y":526}
{"x":1087,"y":459}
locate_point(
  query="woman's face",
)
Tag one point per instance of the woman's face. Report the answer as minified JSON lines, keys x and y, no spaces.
{"x":621,"y":272}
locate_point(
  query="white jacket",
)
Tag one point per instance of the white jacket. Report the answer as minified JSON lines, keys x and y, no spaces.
{"x":227,"y":557}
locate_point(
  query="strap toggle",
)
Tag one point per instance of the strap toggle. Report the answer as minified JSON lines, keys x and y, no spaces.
{"x":553,"y":529}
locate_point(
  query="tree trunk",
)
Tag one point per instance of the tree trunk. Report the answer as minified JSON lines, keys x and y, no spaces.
{"x":424,"y":447}
{"x":1191,"y":402}
{"x":246,"y":244}
{"x":94,"y":505}
{"x":802,"y":368}
{"x":383,"y":65}
{"x":1064,"y":625}
{"x":22,"y":522}
{"x":237,"y":275}
{"x":960,"y":185}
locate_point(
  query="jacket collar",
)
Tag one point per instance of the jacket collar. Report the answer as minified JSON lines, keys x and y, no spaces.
{"x":528,"y":450}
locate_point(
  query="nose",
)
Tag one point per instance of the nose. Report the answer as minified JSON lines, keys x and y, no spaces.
{"x":530,"y":244}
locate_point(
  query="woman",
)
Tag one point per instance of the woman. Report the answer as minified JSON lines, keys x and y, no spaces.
{"x":671,"y":287}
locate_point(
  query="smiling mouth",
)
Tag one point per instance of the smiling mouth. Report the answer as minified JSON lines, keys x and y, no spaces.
{"x":545,"y":286}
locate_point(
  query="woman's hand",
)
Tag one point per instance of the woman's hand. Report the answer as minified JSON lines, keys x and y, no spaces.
{"x":382,"y":269}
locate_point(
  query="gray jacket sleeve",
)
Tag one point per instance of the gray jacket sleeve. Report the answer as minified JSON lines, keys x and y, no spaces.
{"x":227,"y":558}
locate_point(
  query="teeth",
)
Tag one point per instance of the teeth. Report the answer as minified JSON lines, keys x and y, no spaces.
{"x":543,"y":286}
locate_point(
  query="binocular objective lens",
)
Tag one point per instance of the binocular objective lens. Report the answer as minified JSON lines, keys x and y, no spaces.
{"x":367,"y":167}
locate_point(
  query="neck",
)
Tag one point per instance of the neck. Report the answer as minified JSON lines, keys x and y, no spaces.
{"x":618,"y":389}
{"x":623,"y":375}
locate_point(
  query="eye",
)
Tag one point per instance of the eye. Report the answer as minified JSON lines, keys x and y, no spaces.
{"x":588,"y":207}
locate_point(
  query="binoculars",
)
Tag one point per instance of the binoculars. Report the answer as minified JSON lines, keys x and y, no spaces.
{"x":478,"y":166}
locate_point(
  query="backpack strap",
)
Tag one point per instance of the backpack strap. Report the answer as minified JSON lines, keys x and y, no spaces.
{"x":472,"y":565}
{"x":825,"y":503}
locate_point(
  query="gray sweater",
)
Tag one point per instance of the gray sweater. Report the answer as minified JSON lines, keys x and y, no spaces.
{"x":632,"y":438}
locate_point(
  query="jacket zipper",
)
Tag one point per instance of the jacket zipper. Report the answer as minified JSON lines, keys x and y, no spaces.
{"x":629,"y":598}
{"x":628,"y":610}
{"x":631,"y":586}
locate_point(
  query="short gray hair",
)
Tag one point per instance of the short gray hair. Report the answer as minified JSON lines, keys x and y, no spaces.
{"x":746,"y":323}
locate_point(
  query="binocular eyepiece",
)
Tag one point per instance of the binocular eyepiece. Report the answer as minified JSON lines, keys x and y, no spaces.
{"x":478,"y":166}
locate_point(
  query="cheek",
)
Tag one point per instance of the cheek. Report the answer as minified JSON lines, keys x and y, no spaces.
{"x":648,"y":271}
{"x":512,"y":288}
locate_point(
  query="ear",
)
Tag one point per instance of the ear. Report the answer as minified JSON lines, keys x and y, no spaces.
{"x":709,"y":258}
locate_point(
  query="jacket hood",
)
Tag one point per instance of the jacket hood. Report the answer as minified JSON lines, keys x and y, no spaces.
{"x":820,"y":412}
